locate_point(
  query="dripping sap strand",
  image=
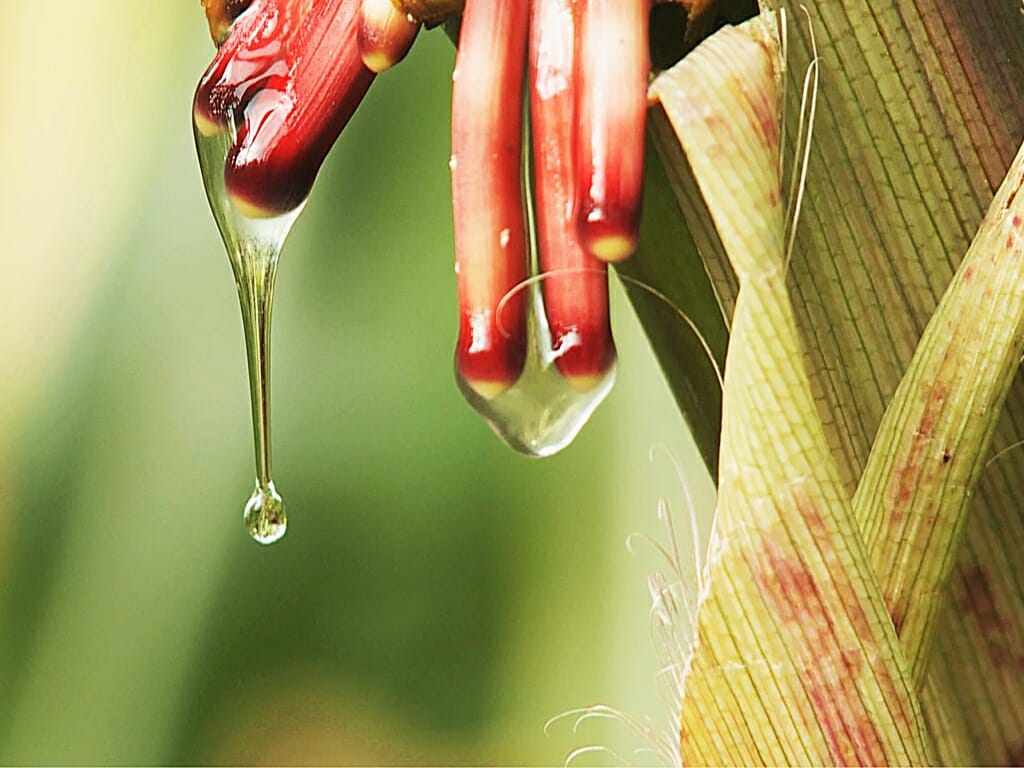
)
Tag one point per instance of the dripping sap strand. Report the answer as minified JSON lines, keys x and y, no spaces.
{"x":253,"y":246}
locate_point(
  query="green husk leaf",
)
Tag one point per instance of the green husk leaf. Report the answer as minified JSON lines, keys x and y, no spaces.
{"x":918,"y":120}
{"x":795,"y":660}
{"x":930,"y":451}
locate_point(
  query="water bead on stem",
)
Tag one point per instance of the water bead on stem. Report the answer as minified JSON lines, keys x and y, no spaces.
{"x":264,"y":514}
{"x":536,"y":382}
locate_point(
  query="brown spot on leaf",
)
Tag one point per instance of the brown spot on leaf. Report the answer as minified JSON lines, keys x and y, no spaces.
{"x":788,"y":586}
{"x":968,"y":274}
{"x":976,"y":597}
{"x":761,"y":100}
{"x":855,"y":611}
{"x":828,"y":671}
{"x":720,"y":126}
{"x":896,"y":612}
{"x":889,"y":691}
{"x":997,"y":652}
{"x":827,"y":720}
{"x":768,"y":121}
{"x":810,"y":513}
{"x":851,"y":736}
{"x":853,"y":663}
{"x":976,"y":600}
{"x":1015,"y":754}
{"x":815,"y":522}
{"x":1016,"y":221}
{"x":907,"y":476}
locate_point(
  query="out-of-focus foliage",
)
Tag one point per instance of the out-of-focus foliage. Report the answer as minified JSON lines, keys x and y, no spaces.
{"x":436,"y":599}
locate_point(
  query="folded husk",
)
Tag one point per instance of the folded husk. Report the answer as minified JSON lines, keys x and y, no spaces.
{"x":795,"y":660}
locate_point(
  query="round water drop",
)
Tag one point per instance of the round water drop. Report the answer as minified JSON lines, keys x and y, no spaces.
{"x":265,"y":517}
{"x":543,"y":411}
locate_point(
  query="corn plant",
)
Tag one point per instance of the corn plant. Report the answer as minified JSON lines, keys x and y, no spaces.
{"x":830,"y":201}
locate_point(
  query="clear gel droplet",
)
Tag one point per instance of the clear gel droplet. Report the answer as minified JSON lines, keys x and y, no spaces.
{"x":265,"y":516}
{"x":543,"y":411}
{"x":253,"y":246}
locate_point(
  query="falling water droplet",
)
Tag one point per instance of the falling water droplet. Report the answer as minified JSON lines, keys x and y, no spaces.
{"x":253,"y":246}
{"x":543,"y":411}
{"x":264,"y":514}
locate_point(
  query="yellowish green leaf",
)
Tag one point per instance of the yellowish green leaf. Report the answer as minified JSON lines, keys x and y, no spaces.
{"x":918,"y":119}
{"x":795,"y":660}
{"x":930,"y":450}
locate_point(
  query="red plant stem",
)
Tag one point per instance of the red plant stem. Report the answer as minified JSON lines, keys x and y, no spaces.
{"x":575,"y":284}
{"x":293,"y":75}
{"x":385,"y":35}
{"x":247,"y":61}
{"x":612,"y":67}
{"x":487,"y":193}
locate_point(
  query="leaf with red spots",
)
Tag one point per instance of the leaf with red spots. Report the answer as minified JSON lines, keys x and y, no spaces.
{"x":918,"y":121}
{"x":794,"y":648}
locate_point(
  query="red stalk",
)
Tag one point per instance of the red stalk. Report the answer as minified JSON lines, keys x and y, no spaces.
{"x":291,"y":72}
{"x":575,"y":286}
{"x":612,"y":68}
{"x":244,"y":64}
{"x":385,"y":35}
{"x":487,"y":195}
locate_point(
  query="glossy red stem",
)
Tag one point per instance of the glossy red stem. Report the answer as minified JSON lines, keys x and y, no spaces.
{"x":290,"y":77}
{"x":612,"y":67}
{"x":575,"y":284}
{"x":490,"y":235}
{"x":244,"y":63}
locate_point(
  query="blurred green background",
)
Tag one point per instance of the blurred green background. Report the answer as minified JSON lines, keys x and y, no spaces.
{"x":437,"y":598}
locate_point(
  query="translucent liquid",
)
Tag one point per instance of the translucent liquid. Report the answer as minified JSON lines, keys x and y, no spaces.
{"x":542,"y":412}
{"x":253,"y":246}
